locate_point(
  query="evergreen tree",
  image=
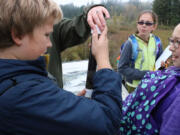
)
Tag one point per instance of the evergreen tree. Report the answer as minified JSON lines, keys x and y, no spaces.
{"x":168,"y":11}
{"x":175,"y":12}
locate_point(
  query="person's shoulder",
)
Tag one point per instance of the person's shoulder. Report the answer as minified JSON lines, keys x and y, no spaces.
{"x":128,"y":43}
{"x":157,"y":38}
{"x":175,"y":105}
{"x":34,"y":81}
{"x":133,"y":39}
{"x":176,"y":99}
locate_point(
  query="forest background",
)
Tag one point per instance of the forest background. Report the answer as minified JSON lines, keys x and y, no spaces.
{"x":123,"y":23}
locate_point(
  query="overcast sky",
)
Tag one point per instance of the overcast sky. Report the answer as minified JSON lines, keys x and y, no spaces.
{"x":80,"y":2}
{"x":76,"y":2}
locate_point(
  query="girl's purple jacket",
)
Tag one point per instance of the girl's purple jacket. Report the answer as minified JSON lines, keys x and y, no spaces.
{"x":154,"y":107}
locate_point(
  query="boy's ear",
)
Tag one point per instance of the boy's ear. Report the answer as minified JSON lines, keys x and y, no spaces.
{"x":17,"y":39}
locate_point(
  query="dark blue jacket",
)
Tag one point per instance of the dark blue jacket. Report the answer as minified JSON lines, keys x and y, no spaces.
{"x":32,"y":104}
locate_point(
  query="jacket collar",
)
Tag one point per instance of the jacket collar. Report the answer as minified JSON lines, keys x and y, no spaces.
{"x":10,"y":68}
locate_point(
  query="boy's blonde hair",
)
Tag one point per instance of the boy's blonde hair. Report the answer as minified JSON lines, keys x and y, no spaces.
{"x":23,"y":16}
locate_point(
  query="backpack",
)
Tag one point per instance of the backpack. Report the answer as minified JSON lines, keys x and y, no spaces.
{"x":133,"y":40}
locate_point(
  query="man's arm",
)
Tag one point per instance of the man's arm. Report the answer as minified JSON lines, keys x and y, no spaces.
{"x":70,"y":32}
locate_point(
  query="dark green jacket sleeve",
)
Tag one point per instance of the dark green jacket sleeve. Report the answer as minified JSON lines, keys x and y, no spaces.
{"x":70,"y":32}
{"x":67,"y":33}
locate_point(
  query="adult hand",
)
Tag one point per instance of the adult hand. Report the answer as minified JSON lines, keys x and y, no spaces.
{"x":96,"y":16}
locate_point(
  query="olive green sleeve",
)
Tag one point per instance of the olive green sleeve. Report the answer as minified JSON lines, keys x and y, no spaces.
{"x":71,"y":32}
{"x":67,"y":33}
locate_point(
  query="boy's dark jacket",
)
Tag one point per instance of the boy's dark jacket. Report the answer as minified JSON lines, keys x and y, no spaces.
{"x":32,"y":104}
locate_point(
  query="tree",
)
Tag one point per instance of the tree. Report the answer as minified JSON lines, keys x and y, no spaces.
{"x":175,"y":12}
{"x":163,"y":10}
{"x":168,"y":11}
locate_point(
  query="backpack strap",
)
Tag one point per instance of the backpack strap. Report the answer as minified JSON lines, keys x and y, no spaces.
{"x":122,"y":46}
{"x":134,"y":43}
{"x":158,"y":44}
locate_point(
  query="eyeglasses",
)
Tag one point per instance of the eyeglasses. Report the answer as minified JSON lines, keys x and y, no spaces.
{"x":174,"y":42}
{"x":146,"y":23}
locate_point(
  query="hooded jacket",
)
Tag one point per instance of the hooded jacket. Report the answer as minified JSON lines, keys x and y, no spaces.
{"x":32,"y":104}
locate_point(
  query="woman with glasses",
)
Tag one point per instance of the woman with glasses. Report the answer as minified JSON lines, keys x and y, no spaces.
{"x":140,"y":51}
{"x":153,"y":108}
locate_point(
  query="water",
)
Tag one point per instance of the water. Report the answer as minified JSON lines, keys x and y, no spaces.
{"x":74,"y":76}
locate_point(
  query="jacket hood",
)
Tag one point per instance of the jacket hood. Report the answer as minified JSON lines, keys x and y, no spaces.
{"x":10,"y":68}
